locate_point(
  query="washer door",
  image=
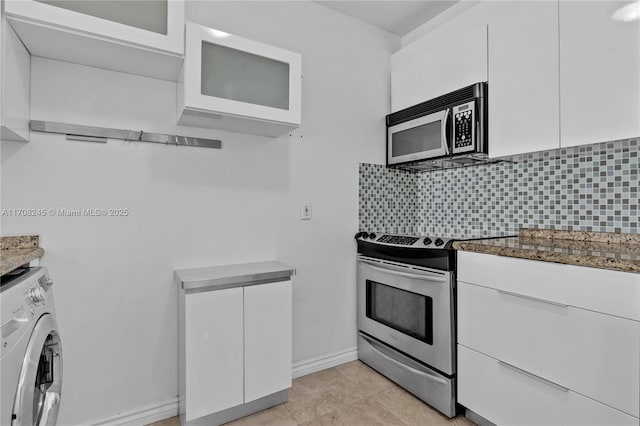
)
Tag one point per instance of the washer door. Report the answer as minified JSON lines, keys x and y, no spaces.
{"x":38,"y":396}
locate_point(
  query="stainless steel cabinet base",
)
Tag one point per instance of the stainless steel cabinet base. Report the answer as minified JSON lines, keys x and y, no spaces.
{"x":428,"y":385}
{"x":477,"y":418}
{"x":238,"y":411}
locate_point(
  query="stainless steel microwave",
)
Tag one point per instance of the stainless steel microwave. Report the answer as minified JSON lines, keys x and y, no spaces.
{"x":451,"y":127}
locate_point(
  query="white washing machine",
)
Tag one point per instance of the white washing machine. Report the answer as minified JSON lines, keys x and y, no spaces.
{"x":31,"y":352}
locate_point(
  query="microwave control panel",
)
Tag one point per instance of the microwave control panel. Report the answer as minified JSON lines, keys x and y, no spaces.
{"x":463,"y":127}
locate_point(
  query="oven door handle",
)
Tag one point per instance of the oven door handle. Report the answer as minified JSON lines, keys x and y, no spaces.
{"x":383,"y":352}
{"x":422,"y":276}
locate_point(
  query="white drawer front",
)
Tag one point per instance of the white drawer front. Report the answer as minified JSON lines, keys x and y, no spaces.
{"x":506,"y":396}
{"x":610,"y":292}
{"x":593,"y":354}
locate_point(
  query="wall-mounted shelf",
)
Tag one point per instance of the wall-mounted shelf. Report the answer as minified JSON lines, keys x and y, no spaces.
{"x":101,"y":134}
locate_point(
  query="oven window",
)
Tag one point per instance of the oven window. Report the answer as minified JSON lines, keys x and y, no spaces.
{"x":410,"y":313}
{"x":427,"y":137}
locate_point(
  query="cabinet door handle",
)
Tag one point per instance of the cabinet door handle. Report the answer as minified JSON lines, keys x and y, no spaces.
{"x":548,"y":302}
{"x":532,"y":376}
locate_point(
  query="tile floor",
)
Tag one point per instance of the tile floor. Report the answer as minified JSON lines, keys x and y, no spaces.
{"x":350,"y":394}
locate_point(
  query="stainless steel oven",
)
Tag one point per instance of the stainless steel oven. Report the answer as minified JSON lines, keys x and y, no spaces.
{"x":405,"y":322}
{"x":409,"y":307}
{"x":406,"y":313}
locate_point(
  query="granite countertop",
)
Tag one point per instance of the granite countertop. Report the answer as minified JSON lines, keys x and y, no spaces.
{"x":620,"y":252}
{"x":18,"y":250}
{"x":228,"y":276}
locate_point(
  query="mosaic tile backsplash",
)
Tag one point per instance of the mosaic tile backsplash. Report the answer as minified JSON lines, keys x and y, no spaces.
{"x":584,"y":188}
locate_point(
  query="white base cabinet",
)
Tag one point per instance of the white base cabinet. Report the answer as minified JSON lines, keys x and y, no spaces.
{"x":214,"y":348}
{"x":267,"y":339}
{"x":507,"y":396}
{"x":545,"y":344}
{"x":15,"y":79}
{"x":234,"y":341}
{"x":564,"y":344}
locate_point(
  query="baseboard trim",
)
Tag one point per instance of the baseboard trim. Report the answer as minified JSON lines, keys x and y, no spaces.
{"x":143,"y":415}
{"x":160,"y":411}
{"x":323,"y":362}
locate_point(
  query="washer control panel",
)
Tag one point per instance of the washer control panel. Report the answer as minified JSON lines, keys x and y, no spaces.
{"x":23,"y":300}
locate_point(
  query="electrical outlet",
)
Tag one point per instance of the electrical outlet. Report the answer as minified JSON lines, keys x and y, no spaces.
{"x":305,"y":210}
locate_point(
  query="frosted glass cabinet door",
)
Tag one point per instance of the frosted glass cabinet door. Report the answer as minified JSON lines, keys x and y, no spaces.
{"x":150,"y":15}
{"x":240,"y":76}
{"x":599,"y":73}
{"x":143,"y":37}
{"x":233,"y":83}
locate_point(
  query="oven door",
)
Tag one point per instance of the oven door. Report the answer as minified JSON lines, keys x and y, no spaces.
{"x":410,"y":308}
{"x":418,"y":139}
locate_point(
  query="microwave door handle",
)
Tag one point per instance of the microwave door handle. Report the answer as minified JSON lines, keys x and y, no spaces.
{"x":445,"y":121}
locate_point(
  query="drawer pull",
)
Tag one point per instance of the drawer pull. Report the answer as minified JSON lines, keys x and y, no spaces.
{"x":548,"y":302}
{"x":532,"y":376}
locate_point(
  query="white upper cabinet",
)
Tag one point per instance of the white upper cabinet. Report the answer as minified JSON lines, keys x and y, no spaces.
{"x":232,"y":83}
{"x":446,"y":59}
{"x":15,"y":79}
{"x":599,"y":72}
{"x":143,"y":37}
{"x":523,"y":78}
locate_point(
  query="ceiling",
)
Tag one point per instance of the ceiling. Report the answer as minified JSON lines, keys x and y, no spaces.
{"x":398,"y":17}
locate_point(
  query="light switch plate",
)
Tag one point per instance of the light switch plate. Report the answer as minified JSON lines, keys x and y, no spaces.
{"x":305,"y":210}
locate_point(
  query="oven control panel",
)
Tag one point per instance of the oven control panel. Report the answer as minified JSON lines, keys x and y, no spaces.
{"x":404,"y":240}
{"x":397,"y":239}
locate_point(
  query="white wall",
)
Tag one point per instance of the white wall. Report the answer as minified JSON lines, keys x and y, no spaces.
{"x":446,"y":16}
{"x":115,"y":298}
